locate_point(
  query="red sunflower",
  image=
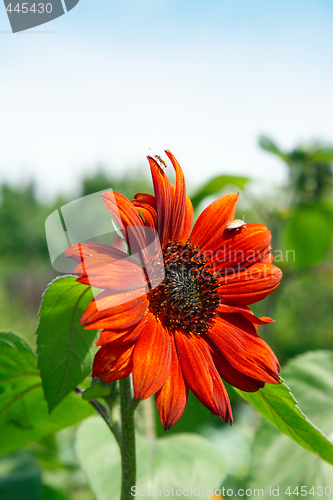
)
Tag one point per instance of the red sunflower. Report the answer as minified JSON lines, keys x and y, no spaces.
{"x":194,"y":326}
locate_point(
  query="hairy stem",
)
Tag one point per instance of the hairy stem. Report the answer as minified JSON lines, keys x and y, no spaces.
{"x":127,"y":439}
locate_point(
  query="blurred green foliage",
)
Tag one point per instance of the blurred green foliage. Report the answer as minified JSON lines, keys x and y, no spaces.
{"x":22,"y":219}
{"x":277,"y":461}
{"x":303,"y":220}
{"x":310,"y":170}
{"x":179,"y":460}
{"x":216,"y":184}
{"x":131,"y":182}
{"x":20,"y":477}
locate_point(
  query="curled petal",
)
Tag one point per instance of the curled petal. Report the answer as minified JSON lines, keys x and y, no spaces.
{"x":213,"y":220}
{"x":146,"y":204}
{"x":201,"y":375}
{"x":246,"y":312}
{"x":171,"y":399}
{"x":164,"y":200}
{"x":146,"y":199}
{"x":152,"y":358}
{"x":113,"y":363}
{"x":102,"y":313}
{"x":240,"y":248}
{"x":250,"y":285}
{"x":235,"y":339}
{"x":148,"y":217}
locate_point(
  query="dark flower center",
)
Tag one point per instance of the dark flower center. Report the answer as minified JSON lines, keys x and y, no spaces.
{"x":187,"y":298}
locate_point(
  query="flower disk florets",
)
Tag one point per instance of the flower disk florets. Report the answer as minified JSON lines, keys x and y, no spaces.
{"x":187,"y":298}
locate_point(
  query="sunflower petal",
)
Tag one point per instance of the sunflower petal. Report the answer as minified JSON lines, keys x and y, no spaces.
{"x":102,"y":313}
{"x":235,"y":339}
{"x":201,"y":375}
{"x":146,"y":199}
{"x":122,"y":209}
{"x":113,"y":363}
{"x":171,"y":399}
{"x":148,"y":203}
{"x":182,"y":214}
{"x":127,"y":217}
{"x":148,"y":217}
{"x":122,"y":337}
{"x":120,"y":275}
{"x":250,"y":285}
{"x":240,"y":248}
{"x":268,"y":258}
{"x":164,"y":200}
{"x":188,"y":221}
{"x":235,"y":377}
{"x":246,"y":312}
{"x":152,"y":358}
{"x":84,"y":251}
{"x":213,"y":220}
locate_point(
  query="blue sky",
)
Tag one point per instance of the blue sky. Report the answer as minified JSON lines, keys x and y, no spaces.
{"x":109,"y":79}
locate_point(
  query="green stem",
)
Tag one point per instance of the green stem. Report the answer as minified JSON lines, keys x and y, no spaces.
{"x":127,"y":444}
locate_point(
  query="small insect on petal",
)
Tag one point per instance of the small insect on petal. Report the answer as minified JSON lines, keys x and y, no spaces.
{"x":161,"y":161}
{"x":235,"y":224}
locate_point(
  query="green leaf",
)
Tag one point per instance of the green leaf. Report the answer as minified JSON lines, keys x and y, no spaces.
{"x":309,"y":234}
{"x":178,"y":461}
{"x":97,"y":389}
{"x":323,"y":155}
{"x":234,"y":441}
{"x":278,"y":406}
{"x":24,"y":415}
{"x":277,"y":460}
{"x":20,"y":477}
{"x":268,"y":145}
{"x":63,"y":346}
{"x":216,"y":184}
{"x":52,"y":494}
